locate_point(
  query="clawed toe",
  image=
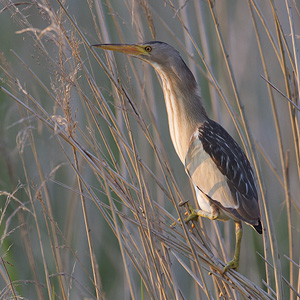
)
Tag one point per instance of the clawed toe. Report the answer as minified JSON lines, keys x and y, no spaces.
{"x":193,"y":215}
{"x":234,"y":264}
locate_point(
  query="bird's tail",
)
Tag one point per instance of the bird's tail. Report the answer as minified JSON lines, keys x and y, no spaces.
{"x":258,"y":227}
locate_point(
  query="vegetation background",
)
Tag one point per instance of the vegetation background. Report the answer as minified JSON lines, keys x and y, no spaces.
{"x":89,"y":180}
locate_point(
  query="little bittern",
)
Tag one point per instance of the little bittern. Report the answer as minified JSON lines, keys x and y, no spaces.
{"x":219,"y":169}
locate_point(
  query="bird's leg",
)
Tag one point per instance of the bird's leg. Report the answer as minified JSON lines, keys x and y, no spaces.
{"x":234,"y":263}
{"x":195,"y":213}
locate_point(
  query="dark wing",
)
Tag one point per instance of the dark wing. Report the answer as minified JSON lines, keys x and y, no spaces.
{"x":234,"y":165}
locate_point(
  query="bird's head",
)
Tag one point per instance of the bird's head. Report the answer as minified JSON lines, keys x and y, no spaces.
{"x":158,"y":54}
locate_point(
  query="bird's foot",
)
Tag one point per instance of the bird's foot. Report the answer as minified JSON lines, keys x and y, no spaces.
{"x":193,"y":215}
{"x":234,"y":264}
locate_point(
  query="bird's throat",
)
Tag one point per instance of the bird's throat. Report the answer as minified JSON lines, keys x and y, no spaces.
{"x":185,"y":114}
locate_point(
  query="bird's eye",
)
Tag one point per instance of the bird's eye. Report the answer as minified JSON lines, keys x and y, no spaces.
{"x":148,"y":48}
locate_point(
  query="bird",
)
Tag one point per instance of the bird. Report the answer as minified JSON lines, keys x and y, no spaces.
{"x":220,"y":171}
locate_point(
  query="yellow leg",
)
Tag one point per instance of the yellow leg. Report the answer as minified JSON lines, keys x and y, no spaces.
{"x":195,"y":213}
{"x":234,"y":264}
{"x":214,"y":214}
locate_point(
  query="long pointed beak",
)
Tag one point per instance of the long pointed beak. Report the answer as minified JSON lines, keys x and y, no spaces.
{"x":123,"y":48}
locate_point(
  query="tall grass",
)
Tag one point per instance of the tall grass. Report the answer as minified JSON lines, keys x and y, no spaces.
{"x":90,"y":183}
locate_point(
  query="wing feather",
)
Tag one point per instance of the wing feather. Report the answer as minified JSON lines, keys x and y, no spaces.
{"x":220,"y":169}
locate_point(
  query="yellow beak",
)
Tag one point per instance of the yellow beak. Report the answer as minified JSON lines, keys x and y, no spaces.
{"x":123,"y":48}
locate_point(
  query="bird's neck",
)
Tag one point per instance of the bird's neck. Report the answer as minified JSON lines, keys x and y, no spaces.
{"x":184,"y":108}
